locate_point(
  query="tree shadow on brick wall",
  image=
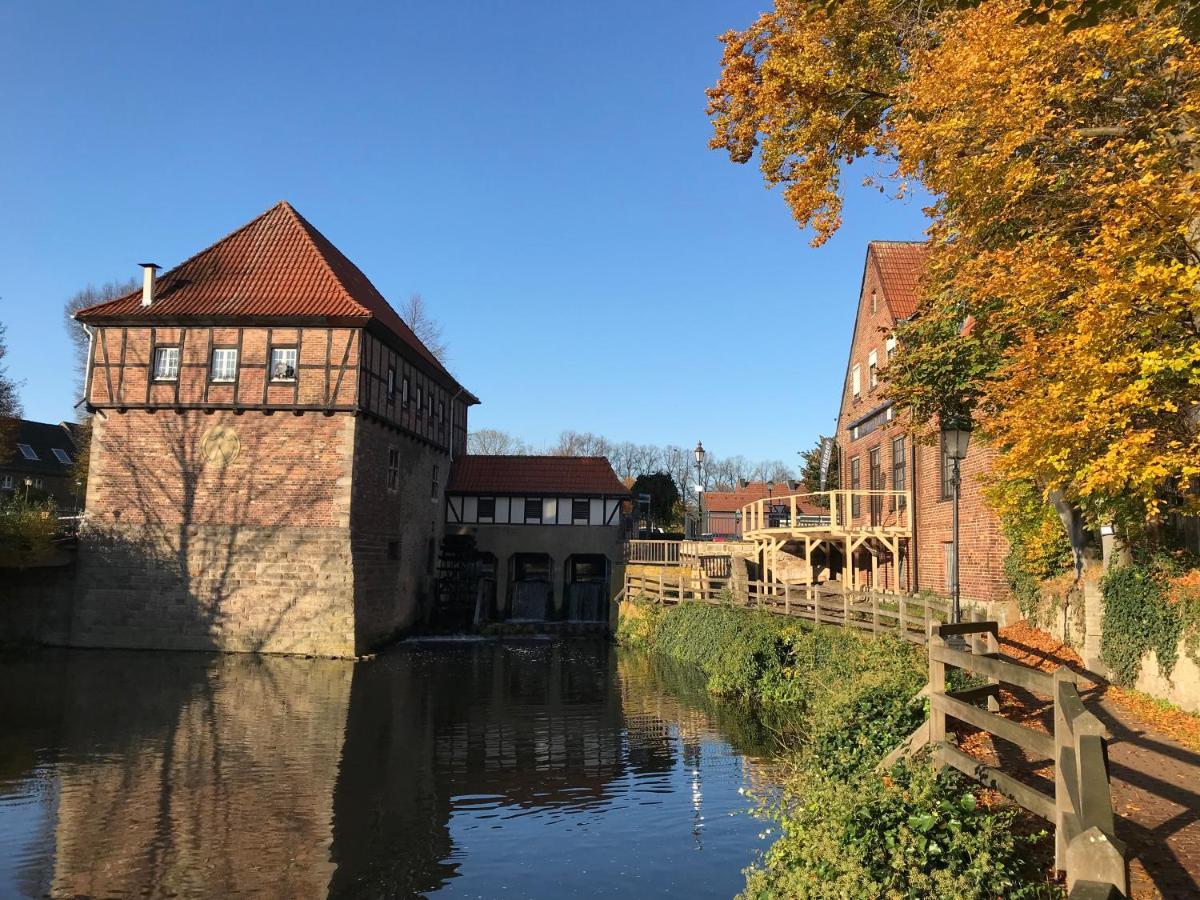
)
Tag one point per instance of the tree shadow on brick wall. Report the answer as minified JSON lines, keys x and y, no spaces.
{"x":201,"y":537}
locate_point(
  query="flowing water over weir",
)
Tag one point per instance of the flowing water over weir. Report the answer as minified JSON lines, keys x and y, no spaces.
{"x":460,"y":767}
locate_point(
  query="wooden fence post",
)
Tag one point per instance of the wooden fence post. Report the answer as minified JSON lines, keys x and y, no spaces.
{"x":874,"y":613}
{"x":903,"y":617}
{"x":1062,"y":745}
{"x":787,"y":599}
{"x":937,"y":686}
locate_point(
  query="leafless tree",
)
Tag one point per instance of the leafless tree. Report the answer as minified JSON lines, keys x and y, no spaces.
{"x":428,"y":330}
{"x":493,"y":442}
{"x":10,"y":404}
{"x":90,"y":296}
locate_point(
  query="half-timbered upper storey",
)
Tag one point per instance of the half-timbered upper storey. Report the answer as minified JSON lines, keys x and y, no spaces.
{"x":534,"y":490}
{"x":271,"y":317}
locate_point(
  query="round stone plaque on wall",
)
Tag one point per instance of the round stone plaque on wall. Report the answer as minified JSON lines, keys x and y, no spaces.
{"x":220,"y":445}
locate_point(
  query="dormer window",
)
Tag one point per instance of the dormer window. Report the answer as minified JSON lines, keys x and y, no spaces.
{"x":166,"y":363}
{"x":28,"y":452}
{"x":61,"y":455}
{"x":283,"y":363}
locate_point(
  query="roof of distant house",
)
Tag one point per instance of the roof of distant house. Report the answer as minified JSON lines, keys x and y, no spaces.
{"x":42,"y":439}
{"x":535,"y":475}
{"x":900,"y":265}
{"x":275,"y":267}
{"x":731,"y":501}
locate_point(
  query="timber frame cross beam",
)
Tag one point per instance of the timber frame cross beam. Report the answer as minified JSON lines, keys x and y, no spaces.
{"x":1086,"y":847}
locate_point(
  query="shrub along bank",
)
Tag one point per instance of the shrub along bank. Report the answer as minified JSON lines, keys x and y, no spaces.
{"x":845,"y":831}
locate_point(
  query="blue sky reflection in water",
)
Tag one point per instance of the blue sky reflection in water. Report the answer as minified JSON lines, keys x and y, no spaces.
{"x":462,"y":769}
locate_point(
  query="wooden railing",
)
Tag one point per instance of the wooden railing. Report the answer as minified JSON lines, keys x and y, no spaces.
{"x":1080,"y":809}
{"x":848,"y":510}
{"x":660,"y":553}
{"x":903,"y":615}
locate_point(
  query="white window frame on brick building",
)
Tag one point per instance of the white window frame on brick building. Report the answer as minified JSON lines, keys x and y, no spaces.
{"x":223,"y":367}
{"x":166,"y":363}
{"x":287,"y":357}
{"x":889,"y":347}
{"x":873,"y":369}
{"x":856,"y":380}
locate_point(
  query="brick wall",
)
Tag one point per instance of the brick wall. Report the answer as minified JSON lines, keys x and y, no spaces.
{"x":218,"y":531}
{"x":392,"y":529}
{"x":982,"y":547}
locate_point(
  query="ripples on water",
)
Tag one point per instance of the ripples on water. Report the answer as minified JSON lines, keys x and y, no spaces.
{"x":472,"y":769}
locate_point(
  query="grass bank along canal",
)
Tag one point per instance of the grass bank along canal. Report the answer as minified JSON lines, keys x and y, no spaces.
{"x":463,"y":768}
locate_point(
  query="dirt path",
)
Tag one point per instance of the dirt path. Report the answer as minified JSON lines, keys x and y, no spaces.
{"x":1155,"y":777}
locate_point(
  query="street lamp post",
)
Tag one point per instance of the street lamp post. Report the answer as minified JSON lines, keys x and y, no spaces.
{"x":28,"y":485}
{"x":699,"y":453}
{"x":956,"y":435}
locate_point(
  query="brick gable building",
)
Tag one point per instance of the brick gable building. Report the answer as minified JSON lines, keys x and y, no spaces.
{"x":269,"y":452}
{"x":878,"y":450}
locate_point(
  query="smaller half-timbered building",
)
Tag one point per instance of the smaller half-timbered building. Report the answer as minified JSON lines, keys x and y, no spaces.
{"x":544,"y":533}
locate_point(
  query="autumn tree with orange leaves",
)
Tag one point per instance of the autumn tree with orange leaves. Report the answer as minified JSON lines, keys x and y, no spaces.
{"x":1064,"y":163}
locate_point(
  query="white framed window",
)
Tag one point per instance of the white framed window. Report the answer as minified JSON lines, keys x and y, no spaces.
{"x":393,"y":472}
{"x":436,"y":483}
{"x":28,"y":452}
{"x":166,"y":363}
{"x":874,"y":303}
{"x":62,"y":456}
{"x":889,"y":346}
{"x":856,"y":380}
{"x":224,"y":364}
{"x":441,"y":410}
{"x":283,"y":363}
{"x":6,"y":482}
{"x":873,"y":368}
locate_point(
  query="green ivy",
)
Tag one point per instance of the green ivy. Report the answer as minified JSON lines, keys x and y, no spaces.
{"x":1139,"y":617}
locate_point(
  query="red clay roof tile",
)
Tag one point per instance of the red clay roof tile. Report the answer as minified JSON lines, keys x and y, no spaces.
{"x":277,"y":266}
{"x":535,"y":475}
{"x":900,"y":264}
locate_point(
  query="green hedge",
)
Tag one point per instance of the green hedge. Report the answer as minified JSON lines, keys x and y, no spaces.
{"x":845,"y":832}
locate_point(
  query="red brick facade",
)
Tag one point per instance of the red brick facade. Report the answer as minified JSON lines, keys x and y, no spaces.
{"x":870,"y":430}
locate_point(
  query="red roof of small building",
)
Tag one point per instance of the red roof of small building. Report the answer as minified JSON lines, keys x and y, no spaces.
{"x":277,"y":266}
{"x":900,"y":264}
{"x":731,"y":501}
{"x":536,"y":475}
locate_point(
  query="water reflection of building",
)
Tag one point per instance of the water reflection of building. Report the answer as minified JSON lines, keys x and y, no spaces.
{"x":213,"y":781}
{"x":199,"y":776}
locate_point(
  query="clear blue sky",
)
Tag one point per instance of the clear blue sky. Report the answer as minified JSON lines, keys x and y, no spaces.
{"x":539,"y":171}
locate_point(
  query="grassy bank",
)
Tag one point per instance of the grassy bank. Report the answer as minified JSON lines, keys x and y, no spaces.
{"x":846,"y":831}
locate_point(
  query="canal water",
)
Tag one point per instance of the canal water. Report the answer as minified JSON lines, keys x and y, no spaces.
{"x":457,"y":768}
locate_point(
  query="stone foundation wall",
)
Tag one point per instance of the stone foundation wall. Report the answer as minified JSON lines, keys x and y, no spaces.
{"x":35,"y":604}
{"x":269,"y":590}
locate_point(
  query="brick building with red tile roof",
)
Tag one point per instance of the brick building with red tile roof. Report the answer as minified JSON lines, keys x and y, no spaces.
{"x":543,"y":532}
{"x":270,"y":447}
{"x":878,"y":450}
{"x":722,"y":509}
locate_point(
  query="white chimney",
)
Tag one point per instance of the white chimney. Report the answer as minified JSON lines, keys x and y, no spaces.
{"x":149,"y":272}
